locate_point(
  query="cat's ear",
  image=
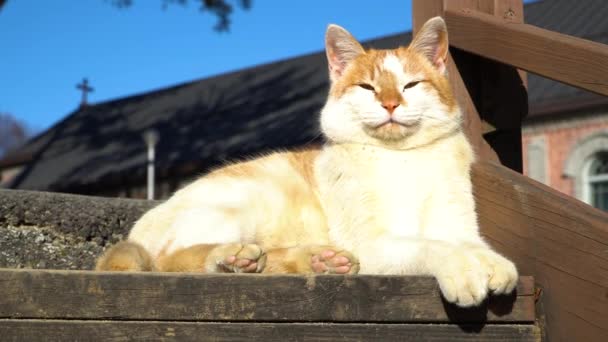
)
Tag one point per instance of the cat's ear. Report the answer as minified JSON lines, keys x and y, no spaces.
{"x":432,"y":42}
{"x":341,"y":48}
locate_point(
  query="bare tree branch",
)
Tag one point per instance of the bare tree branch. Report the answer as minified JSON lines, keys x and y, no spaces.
{"x":222,"y":9}
{"x":13,"y":133}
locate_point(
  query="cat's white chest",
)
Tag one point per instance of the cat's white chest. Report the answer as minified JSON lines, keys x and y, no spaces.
{"x":401,"y":183}
{"x":382,"y":192}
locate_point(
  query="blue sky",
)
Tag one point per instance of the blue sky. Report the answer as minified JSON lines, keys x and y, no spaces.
{"x":49,"y":46}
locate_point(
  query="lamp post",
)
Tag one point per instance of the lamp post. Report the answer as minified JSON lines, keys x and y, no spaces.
{"x":151,"y":138}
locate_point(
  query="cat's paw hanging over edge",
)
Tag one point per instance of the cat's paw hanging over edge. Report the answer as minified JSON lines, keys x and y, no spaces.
{"x":463,"y":280}
{"x":502,"y":273}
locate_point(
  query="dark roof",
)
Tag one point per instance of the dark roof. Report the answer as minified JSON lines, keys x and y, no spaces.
{"x":201,"y":124}
{"x":584,"y":19}
{"x":205,"y":122}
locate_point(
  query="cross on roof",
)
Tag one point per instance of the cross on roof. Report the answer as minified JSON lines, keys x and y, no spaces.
{"x":84,"y":86}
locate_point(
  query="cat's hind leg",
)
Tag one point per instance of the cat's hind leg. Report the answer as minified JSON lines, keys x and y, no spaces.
{"x":311,"y":259}
{"x":215,"y":258}
{"x":125,"y":256}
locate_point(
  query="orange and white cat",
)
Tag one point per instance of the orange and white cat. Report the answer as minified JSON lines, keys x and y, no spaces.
{"x":390,"y":193}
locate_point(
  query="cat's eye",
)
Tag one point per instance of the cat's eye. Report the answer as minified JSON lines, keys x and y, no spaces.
{"x":367,"y":86}
{"x":411,"y":85}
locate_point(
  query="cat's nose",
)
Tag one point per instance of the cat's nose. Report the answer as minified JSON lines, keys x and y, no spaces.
{"x":390,"y":106}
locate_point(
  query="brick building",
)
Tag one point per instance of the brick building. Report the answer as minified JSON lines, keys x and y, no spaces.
{"x":570,"y":154}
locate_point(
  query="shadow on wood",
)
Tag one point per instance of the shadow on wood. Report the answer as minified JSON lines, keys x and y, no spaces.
{"x":499,"y":306}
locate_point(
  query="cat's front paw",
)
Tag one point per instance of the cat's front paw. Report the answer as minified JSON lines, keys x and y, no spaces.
{"x":240,"y":258}
{"x":463,"y":280}
{"x":502,"y":273}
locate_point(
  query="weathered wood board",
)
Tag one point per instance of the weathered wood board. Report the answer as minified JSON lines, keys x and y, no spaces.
{"x":53,"y":305}
{"x":49,"y":294}
{"x":571,"y":60}
{"x":39,"y":330}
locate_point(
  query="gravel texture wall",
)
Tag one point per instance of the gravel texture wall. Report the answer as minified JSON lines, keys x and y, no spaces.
{"x":61,"y":231}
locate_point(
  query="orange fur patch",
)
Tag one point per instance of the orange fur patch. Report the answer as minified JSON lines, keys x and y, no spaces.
{"x":280,"y":260}
{"x":191,"y":259}
{"x":303,"y":162}
{"x":125,"y":256}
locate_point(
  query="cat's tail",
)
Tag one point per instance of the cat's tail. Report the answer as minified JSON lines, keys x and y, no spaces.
{"x":125,"y":256}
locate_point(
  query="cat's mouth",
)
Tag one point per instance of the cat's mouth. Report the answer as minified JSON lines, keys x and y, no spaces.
{"x":394,"y":122}
{"x":393,"y":128}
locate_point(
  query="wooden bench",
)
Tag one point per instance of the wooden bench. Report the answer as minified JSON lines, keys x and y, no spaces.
{"x":48,"y":305}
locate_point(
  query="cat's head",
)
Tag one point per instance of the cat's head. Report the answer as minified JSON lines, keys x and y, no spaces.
{"x":399,"y":98}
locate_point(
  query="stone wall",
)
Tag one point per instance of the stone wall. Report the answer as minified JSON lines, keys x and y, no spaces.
{"x":61,"y":231}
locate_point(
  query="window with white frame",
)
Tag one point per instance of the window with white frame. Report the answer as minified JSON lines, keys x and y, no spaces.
{"x":586,"y":166}
{"x":596,"y":180}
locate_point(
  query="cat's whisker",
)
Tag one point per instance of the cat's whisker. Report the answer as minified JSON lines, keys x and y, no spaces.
{"x":314,"y":138}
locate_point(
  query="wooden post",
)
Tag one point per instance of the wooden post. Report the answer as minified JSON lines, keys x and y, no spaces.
{"x":493,"y":96}
{"x":503,"y":93}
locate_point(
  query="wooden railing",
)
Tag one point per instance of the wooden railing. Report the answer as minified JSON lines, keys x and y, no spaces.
{"x":571,"y":60}
{"x":562,"y":242}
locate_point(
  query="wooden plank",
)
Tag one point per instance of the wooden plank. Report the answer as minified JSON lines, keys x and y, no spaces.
{"x":221,"y":297}
{"x":574,"y":61}
{"x":38,"y":330}
{"x":503,"y":94}
{"x":509,"y":10}
{"x":558,"y":239}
